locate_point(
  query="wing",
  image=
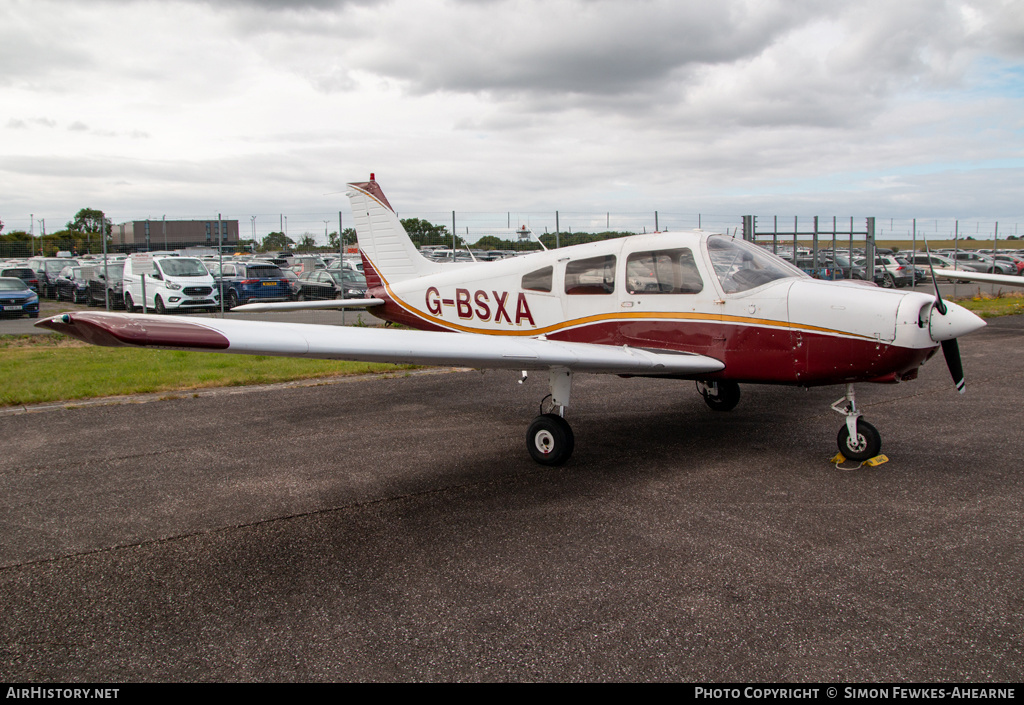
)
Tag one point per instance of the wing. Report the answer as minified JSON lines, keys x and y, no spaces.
{"x":1005,"y":279}
{"x":371,"y":344}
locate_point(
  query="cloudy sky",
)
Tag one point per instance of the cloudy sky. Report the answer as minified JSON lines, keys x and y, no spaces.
{"x":187,"y":108}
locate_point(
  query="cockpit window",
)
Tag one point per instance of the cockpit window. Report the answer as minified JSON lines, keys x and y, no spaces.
{"x":595,"y":275}
{"x":741,"y":266}
{"x":539,"y":280}
{"x":663,"y":272}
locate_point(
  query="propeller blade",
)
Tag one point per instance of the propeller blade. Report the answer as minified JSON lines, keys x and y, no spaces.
{"x":939,"y":304}
{"x":951,"y":351}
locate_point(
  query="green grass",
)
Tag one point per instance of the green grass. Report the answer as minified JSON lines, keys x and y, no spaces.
{"x":46,"y":368}
{"x":993,"y":306}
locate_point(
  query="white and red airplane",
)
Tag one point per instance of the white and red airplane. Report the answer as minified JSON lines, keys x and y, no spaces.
{"x":681,"y":306}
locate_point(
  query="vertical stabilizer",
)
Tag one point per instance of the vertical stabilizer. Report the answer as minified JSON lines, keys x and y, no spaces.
{"x":382,"y":239}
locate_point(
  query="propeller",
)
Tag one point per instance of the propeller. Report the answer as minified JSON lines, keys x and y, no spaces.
{"x":950,"y":348}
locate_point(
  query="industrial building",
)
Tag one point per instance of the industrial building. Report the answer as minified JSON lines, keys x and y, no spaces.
{"x":144,"y":235}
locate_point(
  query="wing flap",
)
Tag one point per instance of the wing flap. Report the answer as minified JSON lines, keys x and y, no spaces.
{"x":371,"y":344}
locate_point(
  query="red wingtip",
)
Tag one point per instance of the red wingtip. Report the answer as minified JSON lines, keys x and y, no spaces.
{"x":118,"y":329}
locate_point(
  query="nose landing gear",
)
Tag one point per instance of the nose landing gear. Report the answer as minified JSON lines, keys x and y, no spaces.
{"x":857,"y":439}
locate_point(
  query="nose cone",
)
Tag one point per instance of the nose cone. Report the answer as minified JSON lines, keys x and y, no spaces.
{"x":956,"y":322}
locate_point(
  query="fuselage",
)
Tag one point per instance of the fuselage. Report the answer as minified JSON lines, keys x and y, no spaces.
{"x":692,"y":292}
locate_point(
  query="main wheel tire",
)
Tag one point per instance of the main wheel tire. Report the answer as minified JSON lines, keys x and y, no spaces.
{"x":550,"y":440}
{"x":867,"y":444}
{"x":727,"y":398}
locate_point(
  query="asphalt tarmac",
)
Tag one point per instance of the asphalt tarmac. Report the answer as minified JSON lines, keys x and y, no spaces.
{"x":396,"y":530}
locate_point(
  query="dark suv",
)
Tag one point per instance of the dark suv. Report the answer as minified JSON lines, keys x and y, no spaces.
{"x":246,"y":282}
{"x":106,"y":287}
{"x":47,"y":269}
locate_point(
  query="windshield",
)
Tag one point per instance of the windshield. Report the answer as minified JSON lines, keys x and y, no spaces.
{"x":741,"y":266}
{"x":57,"y":265}
{"x":182,"y":267}
{"x":13,"y":285}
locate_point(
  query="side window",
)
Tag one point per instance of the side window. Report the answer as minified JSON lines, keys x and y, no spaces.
{"x":595,"y":275}
{"x":539,"y":280}
{"x":663,"y":272}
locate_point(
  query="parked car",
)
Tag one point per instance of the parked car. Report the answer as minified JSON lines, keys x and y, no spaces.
{"x":894,"y":274}
{"x":244,"y":282}
{"x":823,"y":270}
{"x":25,"y":274}
{"x":47,"y":269}
{"x":293,"y":282}
{"x":331,"y":284}
{"x":979,"y":262}
{"x":1014,"y":260}
{"x":172,"y":283}
{"x":923,"y":260}
{"x":842,"y":264}
{"x":16,"y":299}
{"x":73,"y":284}
{"x":106,"y":286}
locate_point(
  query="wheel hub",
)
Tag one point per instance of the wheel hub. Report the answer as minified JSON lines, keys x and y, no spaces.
{"x":544,"y":441}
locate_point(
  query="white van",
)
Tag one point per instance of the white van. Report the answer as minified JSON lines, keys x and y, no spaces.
{"x":172,"y":284}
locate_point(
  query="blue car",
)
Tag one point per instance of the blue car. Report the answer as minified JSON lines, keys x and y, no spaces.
{"x":250,"y":282}
{"x":16,"y":299}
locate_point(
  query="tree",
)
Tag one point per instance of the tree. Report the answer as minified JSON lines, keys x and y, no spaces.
{"x":423,"y":232}
{"x":276,"y":241}
{"x":307,"y":242}
{"x":348,"y":234}
{"x":89,"y":221}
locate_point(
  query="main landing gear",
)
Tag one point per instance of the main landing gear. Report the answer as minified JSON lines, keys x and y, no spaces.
{"x":722,"y":395}
{"x":857,"y":439}
{"x":549,"y":438}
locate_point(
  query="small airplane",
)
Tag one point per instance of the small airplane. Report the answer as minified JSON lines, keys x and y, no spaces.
{"x":691,"y":305}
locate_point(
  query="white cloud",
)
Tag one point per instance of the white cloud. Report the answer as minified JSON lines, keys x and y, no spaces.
{"x":177,"y":106}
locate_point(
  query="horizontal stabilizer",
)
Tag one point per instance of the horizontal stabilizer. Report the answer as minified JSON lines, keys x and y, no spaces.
{"x":308,"y":305}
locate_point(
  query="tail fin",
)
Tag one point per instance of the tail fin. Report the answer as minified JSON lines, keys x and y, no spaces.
{"x":382,"y":239}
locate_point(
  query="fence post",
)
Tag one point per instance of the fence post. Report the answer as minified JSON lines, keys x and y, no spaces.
{"x":869,"y":248}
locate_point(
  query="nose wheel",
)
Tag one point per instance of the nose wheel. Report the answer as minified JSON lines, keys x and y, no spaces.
{"x":857,"y":440}
{"x":866,"y":444}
